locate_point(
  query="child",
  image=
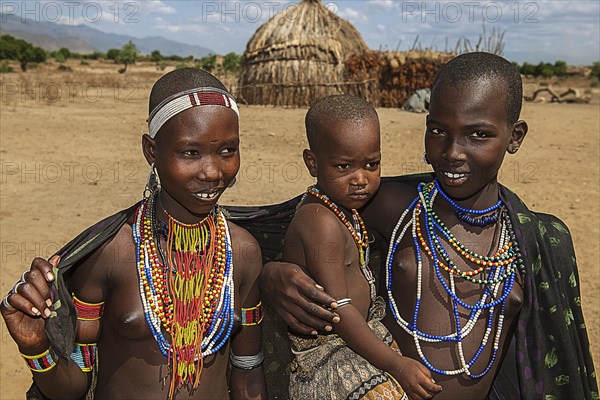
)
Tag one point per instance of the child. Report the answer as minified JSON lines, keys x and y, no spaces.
{"x":481,"y":289}
{"x":162,"y":295}
{"x":328,"y":238}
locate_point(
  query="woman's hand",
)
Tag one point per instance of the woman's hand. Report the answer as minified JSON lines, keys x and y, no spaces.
{"x":298,"y":300}
{"x":26,"y":307}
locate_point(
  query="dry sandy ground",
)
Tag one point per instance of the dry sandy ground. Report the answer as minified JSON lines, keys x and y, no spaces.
{"x":70,"y":155}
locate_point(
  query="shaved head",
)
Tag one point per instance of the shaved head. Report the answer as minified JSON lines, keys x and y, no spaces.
{"x":180,"y":80}
{"x":336,"y":108}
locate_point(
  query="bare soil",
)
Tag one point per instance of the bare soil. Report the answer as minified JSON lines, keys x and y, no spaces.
{"x":70,"y":155}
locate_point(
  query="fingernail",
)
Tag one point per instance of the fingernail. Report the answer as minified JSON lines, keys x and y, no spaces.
{"x":47,"y":312}
{"x":319,"y":287}
{"x":49,"y":302}
{"x":334,"y":305}
{"x":314,"y":333}
{"x":336,"y":320}
{"x":328,"y":328}
{"x":35,"y":311}
{"x":50,"y":276}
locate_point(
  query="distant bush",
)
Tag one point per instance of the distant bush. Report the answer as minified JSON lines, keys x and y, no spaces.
{"x":596,"y":70}
{"x":545,"y":70}
{"x":5,"y":68}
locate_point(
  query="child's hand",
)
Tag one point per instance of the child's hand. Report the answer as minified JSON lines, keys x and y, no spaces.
{"x":415,"y":379}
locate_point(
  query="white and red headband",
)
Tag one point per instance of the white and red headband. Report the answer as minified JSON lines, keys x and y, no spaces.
{"x":182,"y":101}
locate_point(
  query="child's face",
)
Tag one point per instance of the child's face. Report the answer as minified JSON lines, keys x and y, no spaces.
{"x":468,"y":134}
{"x":347,"y":164}
{"x":197,"y":156}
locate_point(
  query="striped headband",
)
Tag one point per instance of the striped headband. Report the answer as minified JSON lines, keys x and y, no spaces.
{"x":181,"y":101}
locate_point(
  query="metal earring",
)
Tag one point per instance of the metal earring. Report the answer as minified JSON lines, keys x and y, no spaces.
{"x":152,"y":184}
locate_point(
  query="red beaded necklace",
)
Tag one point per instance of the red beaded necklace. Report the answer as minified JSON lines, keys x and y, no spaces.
{"x":362,"y":241}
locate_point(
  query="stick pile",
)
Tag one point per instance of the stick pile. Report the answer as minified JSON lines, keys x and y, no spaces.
{"x":399,"y":74}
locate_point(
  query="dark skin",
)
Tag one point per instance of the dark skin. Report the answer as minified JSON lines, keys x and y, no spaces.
{"x":466,"y":139}
{"x":196,"y":154}
{"x":347,"y":167}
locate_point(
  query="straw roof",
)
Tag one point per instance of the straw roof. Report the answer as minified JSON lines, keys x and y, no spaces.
{"x":298,"y":56}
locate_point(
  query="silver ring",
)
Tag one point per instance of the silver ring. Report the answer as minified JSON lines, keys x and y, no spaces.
{"x":14,"y":289}
{"x":23,"y":275}
{"x":6,"y":304}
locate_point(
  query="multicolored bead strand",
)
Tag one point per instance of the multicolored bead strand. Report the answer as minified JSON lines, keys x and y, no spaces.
{"x":500,"y":277}
{"x":361,"y":239}
{"x":189,"y":292}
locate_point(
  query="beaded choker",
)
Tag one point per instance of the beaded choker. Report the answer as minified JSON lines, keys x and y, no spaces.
{"x":482,"y":218}
{"x":498,"y":273}
{"x":188,"y":291}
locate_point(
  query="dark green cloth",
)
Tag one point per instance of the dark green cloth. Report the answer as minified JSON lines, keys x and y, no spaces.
{"x":550,"y":343}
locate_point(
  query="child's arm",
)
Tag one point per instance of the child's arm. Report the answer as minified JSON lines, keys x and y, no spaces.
{"x":324,"y":241}
{"x":247,"y":379}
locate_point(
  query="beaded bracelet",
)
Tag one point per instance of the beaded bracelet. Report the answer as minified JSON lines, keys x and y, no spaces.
{"x":42,"y":362}
{"x":253,"y":315}
{"x":84,"y":355}
{"x":88,"y":311}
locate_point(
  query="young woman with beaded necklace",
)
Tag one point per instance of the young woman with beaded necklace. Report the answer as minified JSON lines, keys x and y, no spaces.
{"x":479,"y":289}
{"x":164,"y":293}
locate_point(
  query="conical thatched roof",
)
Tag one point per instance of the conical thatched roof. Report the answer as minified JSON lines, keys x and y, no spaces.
{"x":298,"y":56}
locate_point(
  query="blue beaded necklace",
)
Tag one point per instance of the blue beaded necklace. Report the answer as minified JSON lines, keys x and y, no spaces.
{"x":500,"y":278}
{"x":464,"y":214}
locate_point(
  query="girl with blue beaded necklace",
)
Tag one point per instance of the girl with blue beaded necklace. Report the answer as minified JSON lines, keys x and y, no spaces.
{"x":170,"y":298}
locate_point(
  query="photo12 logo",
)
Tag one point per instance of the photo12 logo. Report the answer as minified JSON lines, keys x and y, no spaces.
{"x":71,"y":11}
{"x":469,"y":11}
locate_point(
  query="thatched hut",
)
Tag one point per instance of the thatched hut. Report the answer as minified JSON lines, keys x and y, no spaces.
{"x":298,"y":56}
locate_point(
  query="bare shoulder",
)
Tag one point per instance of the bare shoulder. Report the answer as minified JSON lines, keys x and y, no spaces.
{"x":391,"y":200}
{"x":316,"y":221}
{"x":246,"y":250}
{"x":97,"y":271}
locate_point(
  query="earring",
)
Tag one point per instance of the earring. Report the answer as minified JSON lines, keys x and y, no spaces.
{"x":425,"y":159}
{"x":233,"y":182}
{"x":152,"y":184}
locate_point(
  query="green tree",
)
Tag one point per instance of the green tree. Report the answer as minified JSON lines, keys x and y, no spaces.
{"x":527,"y":69}
{"x":12,"y":48}
{"x":231,"y":62}
{"x":128,"y":54}
{"x":112,"y":54}
{"x":596,"y":69}
{"x":560,"y":68}
{"x":64,"y":52}
{"x":208,"y":63}
{"x":155,"y":56}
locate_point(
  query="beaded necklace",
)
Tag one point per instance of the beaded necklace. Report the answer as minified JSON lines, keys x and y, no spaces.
{"x":189,"y":293}
{"x":500,"y":277}
{"x":464,"y":214}
{"x":358,"y":232}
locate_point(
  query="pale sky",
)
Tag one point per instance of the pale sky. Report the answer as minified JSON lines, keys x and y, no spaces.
{"x":534,"y":30}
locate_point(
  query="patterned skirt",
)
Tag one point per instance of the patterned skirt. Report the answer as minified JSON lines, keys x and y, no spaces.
{"x":326,"y":368}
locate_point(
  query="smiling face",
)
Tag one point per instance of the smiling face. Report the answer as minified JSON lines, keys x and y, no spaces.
{"x":468,"y":134}
{"x":347,"y":161}
{"x":196,"y":154}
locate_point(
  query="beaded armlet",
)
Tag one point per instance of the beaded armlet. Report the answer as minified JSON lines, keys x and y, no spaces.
{"x":88,"y":311}
{"x":84,"y":355}
{"x":252,"y":316}
{"x":42,"y":362}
